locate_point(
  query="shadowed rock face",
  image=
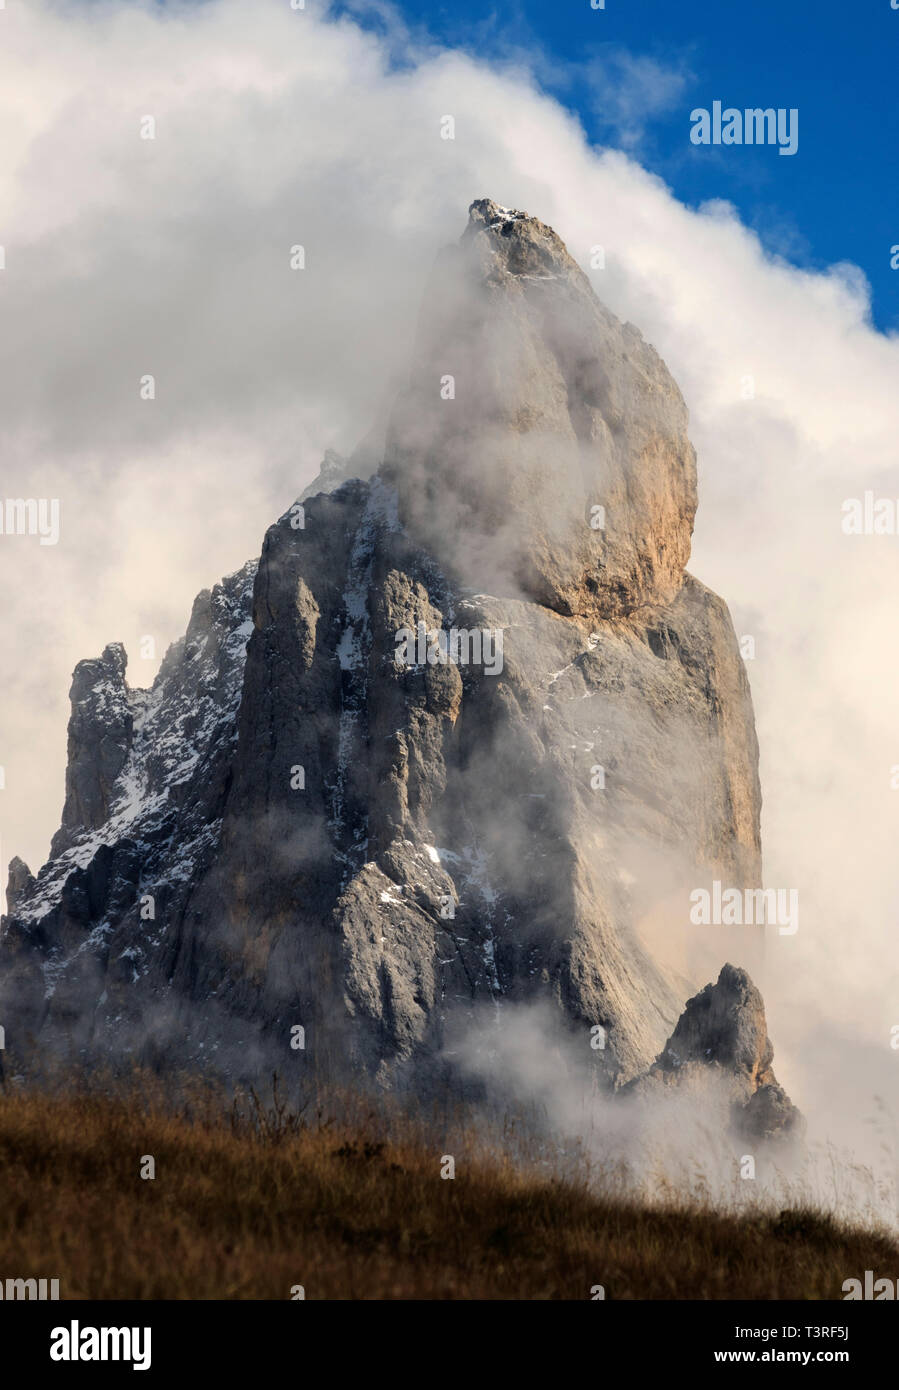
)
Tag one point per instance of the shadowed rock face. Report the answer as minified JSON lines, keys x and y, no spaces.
{"x":100,"y":731}
{"x":293,"y":828}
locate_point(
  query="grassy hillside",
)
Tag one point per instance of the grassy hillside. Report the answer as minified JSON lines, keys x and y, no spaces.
{"x":249,"y":1202}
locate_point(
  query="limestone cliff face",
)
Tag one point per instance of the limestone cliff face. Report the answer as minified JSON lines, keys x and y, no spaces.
{"x":294,"y":827}
{"x":561,"y":418}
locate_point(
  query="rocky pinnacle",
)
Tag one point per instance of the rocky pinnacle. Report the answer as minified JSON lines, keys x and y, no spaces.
{"x":464,"y":737}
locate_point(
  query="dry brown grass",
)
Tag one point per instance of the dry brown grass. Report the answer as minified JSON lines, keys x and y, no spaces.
{"x":252,"y":1200}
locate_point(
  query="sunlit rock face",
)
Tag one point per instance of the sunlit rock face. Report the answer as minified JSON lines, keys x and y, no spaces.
{"x":541,"y":446}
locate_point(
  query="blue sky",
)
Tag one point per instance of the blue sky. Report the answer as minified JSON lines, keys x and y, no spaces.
{"x":633,"y":72}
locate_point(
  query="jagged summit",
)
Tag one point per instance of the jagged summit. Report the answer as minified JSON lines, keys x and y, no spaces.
{"x":723,"y":1030}
{"x":294,"y":826}
{"x":490,"y":213}
{"x":524,"y":244}
{"x":132,"y":753}
{"x":334,"y":470}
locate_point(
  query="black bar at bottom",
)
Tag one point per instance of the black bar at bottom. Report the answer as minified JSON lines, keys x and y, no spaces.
{"x":259,"y":1340}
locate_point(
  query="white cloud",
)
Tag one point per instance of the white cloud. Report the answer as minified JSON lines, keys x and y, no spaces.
{"x":631,"y":90}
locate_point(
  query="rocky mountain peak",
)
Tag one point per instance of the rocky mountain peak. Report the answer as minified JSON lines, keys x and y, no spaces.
{"x":723,"y":1029}
{"x":462,"y":731}
{"x":520,"y":245}
{"x":20,"y":881}
{"x":540,"y":450}
{"x":100,"y":731}
{"x":723,"y":1024}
